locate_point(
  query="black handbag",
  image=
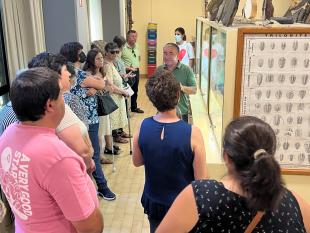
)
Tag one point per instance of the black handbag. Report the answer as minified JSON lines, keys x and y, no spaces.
{"x":105,"y":104}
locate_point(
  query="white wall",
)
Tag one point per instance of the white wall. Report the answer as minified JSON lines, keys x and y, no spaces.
{"x":122,"y":13}
{"x":82,"y":24}
{"x":95,"y":20}
{"x":168,"y":14}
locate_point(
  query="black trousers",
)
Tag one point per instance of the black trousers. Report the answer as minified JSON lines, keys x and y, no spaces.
{"x":135,"y":87}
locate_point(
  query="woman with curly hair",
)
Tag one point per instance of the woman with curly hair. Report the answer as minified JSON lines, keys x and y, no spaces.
{"x":171,"y":150}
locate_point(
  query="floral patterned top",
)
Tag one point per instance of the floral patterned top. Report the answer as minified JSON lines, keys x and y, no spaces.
{"x":77,"y":106}
{"x":89,"y":101}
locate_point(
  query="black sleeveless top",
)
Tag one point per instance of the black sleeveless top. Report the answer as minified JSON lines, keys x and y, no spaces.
{"x":221,"y":210}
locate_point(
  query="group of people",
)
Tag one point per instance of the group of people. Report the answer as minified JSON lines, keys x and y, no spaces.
{"x":51,"y":148}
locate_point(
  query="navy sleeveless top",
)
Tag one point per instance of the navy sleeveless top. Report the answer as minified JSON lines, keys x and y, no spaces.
{"x":168,"y":164}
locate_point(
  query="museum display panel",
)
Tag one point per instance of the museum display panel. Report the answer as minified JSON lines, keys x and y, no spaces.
{"x":264,"y":72}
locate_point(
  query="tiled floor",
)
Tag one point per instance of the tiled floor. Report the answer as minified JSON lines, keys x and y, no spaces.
{"x":125,"y":214}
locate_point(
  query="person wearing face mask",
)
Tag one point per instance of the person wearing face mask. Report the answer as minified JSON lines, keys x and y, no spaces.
{"x":182,"y":73}
{"x":186,"y":54}
{"x":86,"y":88}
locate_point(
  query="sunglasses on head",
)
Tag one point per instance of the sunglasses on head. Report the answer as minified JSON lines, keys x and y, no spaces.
{"x":114,"y":52}
{"x":133,"y":52}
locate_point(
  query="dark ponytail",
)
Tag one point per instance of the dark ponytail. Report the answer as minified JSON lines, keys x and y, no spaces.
{"x":250,"y":143}
{"x":182,"y":31}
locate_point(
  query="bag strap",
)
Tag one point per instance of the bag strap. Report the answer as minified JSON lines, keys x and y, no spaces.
{"x":254,"y":222}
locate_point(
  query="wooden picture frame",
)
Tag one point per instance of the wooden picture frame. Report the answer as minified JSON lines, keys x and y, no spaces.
{"x":289,"y":32}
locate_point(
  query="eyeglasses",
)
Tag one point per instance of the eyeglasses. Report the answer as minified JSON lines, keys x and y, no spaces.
{"x":133,"y":52}
{"x":114,"y":52}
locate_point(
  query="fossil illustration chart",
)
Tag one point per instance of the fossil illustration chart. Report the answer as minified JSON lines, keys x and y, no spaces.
{"x":276,"y":88}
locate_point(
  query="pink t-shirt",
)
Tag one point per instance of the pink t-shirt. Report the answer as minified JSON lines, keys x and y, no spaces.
{"x":44,"y":180}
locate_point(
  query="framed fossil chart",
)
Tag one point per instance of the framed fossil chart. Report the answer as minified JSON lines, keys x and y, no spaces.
{"x":273,"y":84}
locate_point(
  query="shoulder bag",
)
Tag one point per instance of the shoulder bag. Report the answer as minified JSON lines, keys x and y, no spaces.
{"x":254,"y":222}
{"x":105,"y":104}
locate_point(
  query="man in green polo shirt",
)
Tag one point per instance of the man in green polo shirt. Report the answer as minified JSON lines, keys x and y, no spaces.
{"x":182,"y":73}
{"x":131,"y":58}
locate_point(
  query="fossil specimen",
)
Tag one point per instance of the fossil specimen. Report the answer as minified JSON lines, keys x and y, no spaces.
{"x":272,"y":45}
{"x":267,"y":108}
{"x":260,"y":62}
{"x":289,"y":132}
{"x":277,"y":107}
{"x":306,"y":63}
{"x":283,"y":45}
{"x":286,"y":145}
{"x":290,"y":119}
{"x":304,"y":79}
{"x":295,"y":45}
{"x":278,"y":94}
{"x":292,"y":79}
{"x":302,"y":93}
{"x":281,"y":62}
{"x":298,"y":133}
{"x":269,"y":78}
{"x":281,"y":157}
{"x":300,"y":106}
{"x":259,"y":79}
{"x":288,"y":107}
{"x":290,"y":95}
{"x":306,"y":46}
{"x":276,"y":120}
{"x":277,"y":131}
{"x":270,"y":62}
{"x":268,"y":93}
{"x":281,"y":78}
{"x":291,"y":157}
{"x":257,"y":105}
{"x":262,"y":46}
{"x":294,"y":62}
{"x":299,"y":120}
{"x":258,"y":94}
{"x":297,"y":145}
{"x":307,"y":147}
{"x":301,"y":157}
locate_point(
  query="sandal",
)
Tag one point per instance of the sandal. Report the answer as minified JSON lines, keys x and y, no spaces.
{"x":109,"y":151}
{"x":104,"y":160}
{"x":119,"y":139}
{"x":116,"y":147}
{"x":125,"y":135}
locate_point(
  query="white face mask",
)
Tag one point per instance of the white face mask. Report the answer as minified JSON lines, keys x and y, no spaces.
{"x":178,"y":38}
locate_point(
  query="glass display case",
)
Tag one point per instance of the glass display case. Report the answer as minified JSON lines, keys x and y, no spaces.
{"x":198,"y":46}
{"x":217,"y":78}
{"x":215,"y":67}
{"x":205,"y":62}
{"x":264,"y":72}
{"x":4,"y":79}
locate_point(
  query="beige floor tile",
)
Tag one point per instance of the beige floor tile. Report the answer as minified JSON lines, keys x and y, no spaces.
{"x":125,"y":214}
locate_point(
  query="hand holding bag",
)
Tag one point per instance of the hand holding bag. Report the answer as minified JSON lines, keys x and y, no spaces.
{"x":105,"y":104}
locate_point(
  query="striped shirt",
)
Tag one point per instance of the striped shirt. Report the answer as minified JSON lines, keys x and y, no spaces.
{"x":7,"y":117}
